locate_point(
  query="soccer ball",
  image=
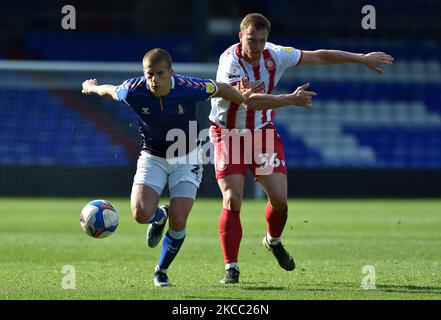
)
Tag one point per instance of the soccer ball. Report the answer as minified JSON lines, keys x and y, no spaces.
{"x":99,"y":219}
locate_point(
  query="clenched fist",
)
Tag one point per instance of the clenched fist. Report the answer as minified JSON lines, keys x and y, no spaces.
{"x":88,"y":85}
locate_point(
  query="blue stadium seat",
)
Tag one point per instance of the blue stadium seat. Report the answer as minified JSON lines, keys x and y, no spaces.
{"x":49,"y":138}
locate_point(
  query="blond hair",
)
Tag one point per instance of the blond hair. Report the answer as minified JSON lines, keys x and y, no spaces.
{"x":156,"y":56}
{"x":256,"y":20}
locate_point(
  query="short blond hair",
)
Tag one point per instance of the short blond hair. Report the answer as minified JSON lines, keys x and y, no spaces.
{"x":256,"y":20}
{"x":156,"y":56}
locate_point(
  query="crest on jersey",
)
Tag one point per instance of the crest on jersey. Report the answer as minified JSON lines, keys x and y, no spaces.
{"x":269,"y":64}
{"x":180,"y":109}
{"x":145,"y":110}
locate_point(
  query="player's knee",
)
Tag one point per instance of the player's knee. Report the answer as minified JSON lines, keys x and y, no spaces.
{"x":177,"y":224}
{"x":232,"y":200}
{"x":140,"y":214}
{"x":178,"y":221}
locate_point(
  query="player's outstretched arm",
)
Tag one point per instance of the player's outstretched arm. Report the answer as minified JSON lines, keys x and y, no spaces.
{"x":106,"y":90}
{"x":230,"y":93}
{"x":372,"y":60}
{"x":300,"y":97}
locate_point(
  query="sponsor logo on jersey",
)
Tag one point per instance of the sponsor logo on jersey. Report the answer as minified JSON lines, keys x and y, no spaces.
{"x":287,"y":49}
{"x":234,"y":72}
{"x":233,"y":76}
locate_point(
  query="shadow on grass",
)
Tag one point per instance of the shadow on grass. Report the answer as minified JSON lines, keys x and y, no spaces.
{"x":409,"y":289}
{"x":338,"y":288}
{"x":264,"y":288}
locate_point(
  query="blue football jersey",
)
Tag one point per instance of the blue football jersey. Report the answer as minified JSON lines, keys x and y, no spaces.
{"x":159,"y":115}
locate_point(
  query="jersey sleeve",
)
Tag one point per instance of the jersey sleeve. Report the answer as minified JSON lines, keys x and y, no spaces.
{"x":229,"y":71}
{"x":198,"y":89}
{"x":288,"y":56}
{"x":124,"y":90}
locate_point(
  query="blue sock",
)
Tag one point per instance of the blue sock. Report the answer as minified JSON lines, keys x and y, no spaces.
{"x":170,"y":247}
{"x":157,"y":216}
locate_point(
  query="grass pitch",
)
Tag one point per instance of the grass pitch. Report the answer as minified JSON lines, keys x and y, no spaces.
{"x":331,"y":240}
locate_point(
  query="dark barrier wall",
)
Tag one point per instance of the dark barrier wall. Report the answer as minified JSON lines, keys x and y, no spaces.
{"x":364,"y":183}
{"x":106,"y":182}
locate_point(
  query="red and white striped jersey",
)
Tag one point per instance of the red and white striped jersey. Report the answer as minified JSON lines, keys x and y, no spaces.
{"x":273,"y":63}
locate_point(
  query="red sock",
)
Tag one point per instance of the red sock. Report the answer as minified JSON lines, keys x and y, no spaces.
{"x":276,"y":220}
{"x":230,"y":232}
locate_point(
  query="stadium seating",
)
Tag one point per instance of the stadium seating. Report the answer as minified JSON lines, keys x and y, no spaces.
{"x":105,"y":46}
{"x":41,"y":130}
{"x":119,"y":47}
{"x":368,"y":125}
{"x":359,"y":120}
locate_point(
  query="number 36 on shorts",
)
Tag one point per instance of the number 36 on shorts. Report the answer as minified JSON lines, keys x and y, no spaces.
{"x":272,"y":161}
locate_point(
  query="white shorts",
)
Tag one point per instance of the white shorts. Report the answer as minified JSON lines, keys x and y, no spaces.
{"x":156,"y":172}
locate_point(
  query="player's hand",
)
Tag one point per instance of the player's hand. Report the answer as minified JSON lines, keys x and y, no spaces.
{"x":246,"y":88}
{"x":374,"y":60}
{"x":301,"y":97}
{"x":243,"y":86}
{"x":88,"y":85}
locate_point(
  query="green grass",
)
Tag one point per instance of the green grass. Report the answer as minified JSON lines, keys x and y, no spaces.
{"x":331,"y":240}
